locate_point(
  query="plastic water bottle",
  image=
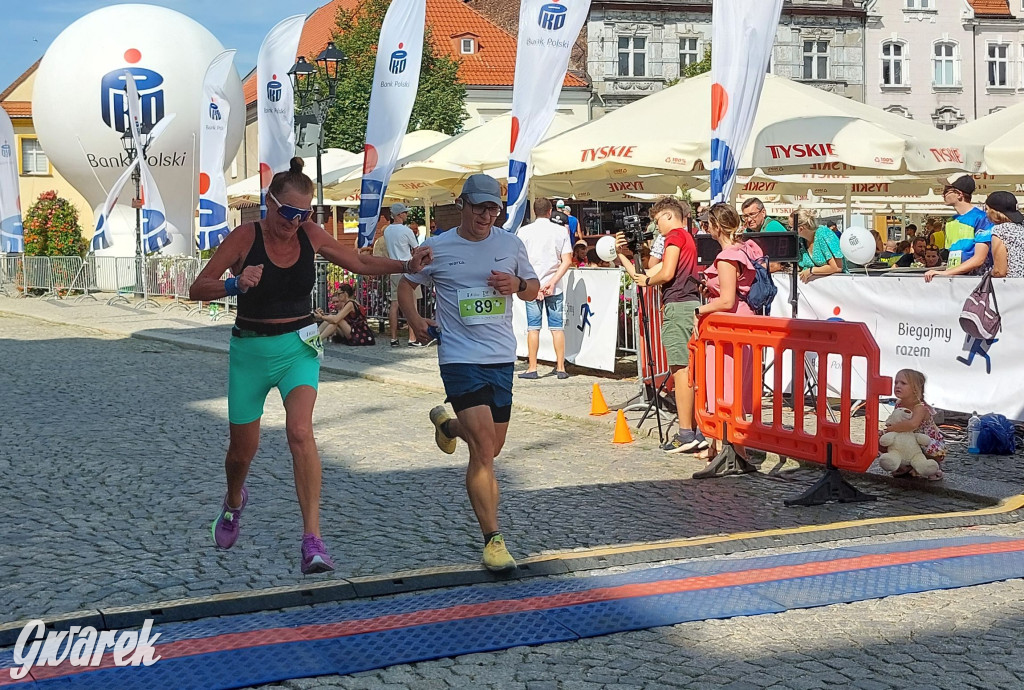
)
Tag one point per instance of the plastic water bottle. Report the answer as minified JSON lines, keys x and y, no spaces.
{"x":973,"y":432}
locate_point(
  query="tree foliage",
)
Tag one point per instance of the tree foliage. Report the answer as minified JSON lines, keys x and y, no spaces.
{"x":440,"y":98}
{"x":52,"y":228}
{"x":701,"y":66}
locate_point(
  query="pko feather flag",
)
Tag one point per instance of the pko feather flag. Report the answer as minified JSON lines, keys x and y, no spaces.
{"x":547,"y":32}
{"x":102,"y":238}
{"x":742,"y":33}
{"x":396,"y":78}
{"x":213,"y":190}
{"x":12,"y":237}
{"x":275,"y":102}
{"x":156,"y":229}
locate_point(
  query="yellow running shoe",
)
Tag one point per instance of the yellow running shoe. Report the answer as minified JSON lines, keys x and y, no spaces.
{"x":438,"y":416}
{"x":497,"y":559}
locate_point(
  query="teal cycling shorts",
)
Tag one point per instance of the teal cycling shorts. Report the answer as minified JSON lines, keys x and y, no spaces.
{"x":257,"y":364}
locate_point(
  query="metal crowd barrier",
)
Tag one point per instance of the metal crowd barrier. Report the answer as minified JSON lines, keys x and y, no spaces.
{"x":37,"y":275}
{"x":627,"y":341}
{"x":65,"y":275}
{"x":12,"y":276}
{"x":185,"y":271}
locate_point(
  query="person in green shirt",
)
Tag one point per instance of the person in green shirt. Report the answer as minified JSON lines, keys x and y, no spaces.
{"x":822,"y":255}
{"x":756,"y":219}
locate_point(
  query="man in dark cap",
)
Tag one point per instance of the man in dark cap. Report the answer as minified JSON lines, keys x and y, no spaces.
{"x":968,"y":234}
{"x":478,"y":268}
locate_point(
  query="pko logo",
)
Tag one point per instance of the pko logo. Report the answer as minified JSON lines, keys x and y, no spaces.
{"x":274,"y":89}
{"x":5,"y":150}
{"x":399,"y":59}
{"x":214,"y":112}
{"x":114,"y":98}
{"x":552,"y":16}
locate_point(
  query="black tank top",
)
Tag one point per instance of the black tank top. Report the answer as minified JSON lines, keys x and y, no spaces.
{"x":282,"y":293}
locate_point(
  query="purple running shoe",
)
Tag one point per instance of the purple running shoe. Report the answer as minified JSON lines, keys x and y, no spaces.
{"x":225,"y":527}
{"x":315,"y":558}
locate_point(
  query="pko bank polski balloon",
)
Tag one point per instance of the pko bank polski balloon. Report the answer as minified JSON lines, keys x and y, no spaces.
{"x":80,"y":113}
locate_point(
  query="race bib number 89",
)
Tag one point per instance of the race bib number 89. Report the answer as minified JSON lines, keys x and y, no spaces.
{"x":481,"y":305}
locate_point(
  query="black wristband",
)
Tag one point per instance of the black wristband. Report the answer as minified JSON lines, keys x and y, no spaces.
{"x":522,"y":285}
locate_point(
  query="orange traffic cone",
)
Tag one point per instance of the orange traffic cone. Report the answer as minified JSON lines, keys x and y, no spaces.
{"x":622,"y":432}
{"x":598,"y":406}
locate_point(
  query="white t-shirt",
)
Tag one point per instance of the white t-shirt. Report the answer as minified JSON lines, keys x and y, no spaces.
{"x":658,"y":246}
{"x":460,"y":264}
{"x":545,"y":242}
{"x":401,"y":241}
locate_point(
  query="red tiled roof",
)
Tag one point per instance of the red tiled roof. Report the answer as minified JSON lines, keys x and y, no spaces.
{"x":18,"y":108}
{"x":494,"y":63}
{"x":991,"y":8}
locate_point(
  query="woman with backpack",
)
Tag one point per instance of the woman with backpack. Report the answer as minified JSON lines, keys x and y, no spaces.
{"x":727,"y":285}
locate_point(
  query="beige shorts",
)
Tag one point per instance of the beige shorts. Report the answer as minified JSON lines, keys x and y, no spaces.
{"x":396,"y":278}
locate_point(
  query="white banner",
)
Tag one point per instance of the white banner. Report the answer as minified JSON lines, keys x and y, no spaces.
{"x":275,"y":102}
{"x":547,"y":32}
{"x":396,"y":78}
{"x":213,"y":189}
{"x":591,"y":307}
{"x":102,"y":237}
{"x":916,"y":325}
{"x":12,"y":238}
{"x":156,"y":229}
{"x":742,"y":33}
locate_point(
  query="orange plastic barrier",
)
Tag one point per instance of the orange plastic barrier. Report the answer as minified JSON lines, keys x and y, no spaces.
{"x":763,"y":338}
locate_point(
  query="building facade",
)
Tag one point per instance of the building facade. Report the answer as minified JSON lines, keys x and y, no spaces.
{"x":637,"y":47}
{"x":945,"y":61}
{"x":35,"y":173}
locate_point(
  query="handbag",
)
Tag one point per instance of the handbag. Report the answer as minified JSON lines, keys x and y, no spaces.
{"x":980,"y":317}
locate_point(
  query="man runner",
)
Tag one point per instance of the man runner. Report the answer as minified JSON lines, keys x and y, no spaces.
{"x":476,"y":269}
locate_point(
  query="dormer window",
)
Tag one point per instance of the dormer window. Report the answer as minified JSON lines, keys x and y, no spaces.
{"x":468,"y":46}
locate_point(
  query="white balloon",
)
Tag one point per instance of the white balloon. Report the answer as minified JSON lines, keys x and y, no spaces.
{"x":605,"y":248}
{"x":78,"y":109}
{"x":857,"y":245}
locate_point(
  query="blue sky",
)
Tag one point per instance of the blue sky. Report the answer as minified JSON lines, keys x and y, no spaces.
{"x":28,"y":28}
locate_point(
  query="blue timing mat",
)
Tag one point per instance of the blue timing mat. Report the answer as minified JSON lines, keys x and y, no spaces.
{"x":240,"y":651}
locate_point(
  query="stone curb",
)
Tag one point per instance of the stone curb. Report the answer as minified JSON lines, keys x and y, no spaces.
{"x":332,"y":591}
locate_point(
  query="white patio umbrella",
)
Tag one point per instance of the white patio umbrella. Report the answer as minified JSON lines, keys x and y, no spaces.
{"x":345,"y":182}
{"x":248,"y":190}
{"x":1002,"y":134}
{"x":442,"y":167}
{"x":798,"y":129}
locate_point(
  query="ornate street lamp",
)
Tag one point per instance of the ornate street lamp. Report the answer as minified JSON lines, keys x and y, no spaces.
{"x":128,"y":144}
{"x":313,"y":102}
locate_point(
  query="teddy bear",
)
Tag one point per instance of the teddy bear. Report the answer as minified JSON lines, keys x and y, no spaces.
{"x":903,"y":448}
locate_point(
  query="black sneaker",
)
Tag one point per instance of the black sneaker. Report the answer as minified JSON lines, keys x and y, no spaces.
{"x":394,"y":343}
{"x":684,"y":442}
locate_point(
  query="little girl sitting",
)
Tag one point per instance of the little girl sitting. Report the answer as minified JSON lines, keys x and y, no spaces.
{"x":908,"y":387}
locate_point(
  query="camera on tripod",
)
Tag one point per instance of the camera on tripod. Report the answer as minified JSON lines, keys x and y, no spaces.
{"x":635,"y":232}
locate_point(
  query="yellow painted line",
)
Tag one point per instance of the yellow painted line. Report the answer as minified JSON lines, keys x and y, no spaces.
{"x":1007,"y":505}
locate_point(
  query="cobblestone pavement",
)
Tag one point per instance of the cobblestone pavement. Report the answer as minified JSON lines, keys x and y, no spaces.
{"x":111,"y":449}
{"x":949,"y":640}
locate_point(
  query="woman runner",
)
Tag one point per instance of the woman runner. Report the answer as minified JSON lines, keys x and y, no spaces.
{"x":275,"y":342}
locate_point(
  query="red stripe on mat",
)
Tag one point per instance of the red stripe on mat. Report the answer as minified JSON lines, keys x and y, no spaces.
{"x":325,"y":631}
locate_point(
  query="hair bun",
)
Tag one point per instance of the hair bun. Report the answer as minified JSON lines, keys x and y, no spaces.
{"x":296,"y":164}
